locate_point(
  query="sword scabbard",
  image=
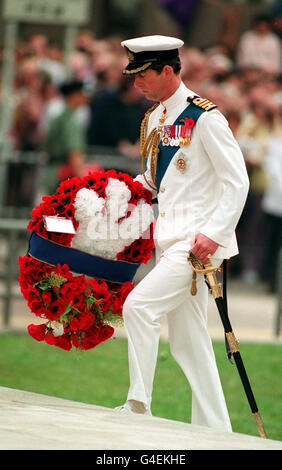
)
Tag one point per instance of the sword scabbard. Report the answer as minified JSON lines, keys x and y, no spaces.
{"x":210,"y":274}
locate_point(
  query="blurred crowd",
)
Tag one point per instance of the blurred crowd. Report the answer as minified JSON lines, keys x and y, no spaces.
{"x":69,"y":109}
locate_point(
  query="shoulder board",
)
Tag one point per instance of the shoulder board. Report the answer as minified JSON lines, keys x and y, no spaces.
{"x":201,"y":102}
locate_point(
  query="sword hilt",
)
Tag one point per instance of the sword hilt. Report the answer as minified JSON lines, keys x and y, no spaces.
{"x":209,"y":271}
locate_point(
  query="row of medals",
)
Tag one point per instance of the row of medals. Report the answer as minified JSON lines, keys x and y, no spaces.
{"x":173,"y":136}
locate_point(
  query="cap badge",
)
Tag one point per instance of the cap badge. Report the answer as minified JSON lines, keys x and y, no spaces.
{"x":130,"y":56}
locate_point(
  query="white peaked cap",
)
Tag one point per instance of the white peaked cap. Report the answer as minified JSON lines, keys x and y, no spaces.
{"x":152,"y":43}
{"x":144,"y":51}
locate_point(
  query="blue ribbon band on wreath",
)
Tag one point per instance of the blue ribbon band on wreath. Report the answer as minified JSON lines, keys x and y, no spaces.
{"x":81,"y":262}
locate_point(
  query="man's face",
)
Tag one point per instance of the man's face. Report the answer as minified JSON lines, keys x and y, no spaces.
{"x":151,"y":84}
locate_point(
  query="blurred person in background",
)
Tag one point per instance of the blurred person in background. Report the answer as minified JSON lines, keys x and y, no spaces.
{"x":27,"y":135}
{"x":85,"y":40}
{"x":37,"y":44}
{"x":272,"y":208}
{"x":260,"y":47}
{"x":48,"y":56}
{"x":116,"y":117}
{"x":65,"y":140}
{"x":107,"y":68}
{"x":28,"y":108}
{"x":52,"y":63}
{"x":53,"y":104}
{"x":26,"y":77}
{"x":81,"y":67}
{"x":254,"y":132}
{"x":194,"y":70}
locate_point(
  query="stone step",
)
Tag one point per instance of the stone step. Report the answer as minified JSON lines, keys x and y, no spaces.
{"x":31,"y":421}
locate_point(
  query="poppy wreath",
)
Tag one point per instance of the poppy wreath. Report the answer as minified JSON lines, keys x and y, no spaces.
{"x":78,"y":282}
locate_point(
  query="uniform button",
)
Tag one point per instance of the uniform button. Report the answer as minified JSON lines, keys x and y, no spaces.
{"x":162,"y":189}
{"x":162,"y":213}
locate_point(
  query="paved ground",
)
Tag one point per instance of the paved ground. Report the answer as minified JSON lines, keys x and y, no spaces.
{"x":37,"y":422}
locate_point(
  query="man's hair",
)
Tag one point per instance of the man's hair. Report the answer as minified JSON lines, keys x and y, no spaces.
{"x":174,"y":63}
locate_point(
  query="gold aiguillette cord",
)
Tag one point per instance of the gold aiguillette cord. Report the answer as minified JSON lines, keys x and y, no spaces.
{"x":149,"y":145}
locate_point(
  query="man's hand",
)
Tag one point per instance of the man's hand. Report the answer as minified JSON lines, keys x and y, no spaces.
{"x":203,"y":246}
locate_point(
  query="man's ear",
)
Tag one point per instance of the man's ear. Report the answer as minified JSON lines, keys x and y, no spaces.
{"x":167,"y":72}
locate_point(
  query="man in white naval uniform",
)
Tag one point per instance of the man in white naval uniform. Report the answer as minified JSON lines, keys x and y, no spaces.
{"x":201,"y":194}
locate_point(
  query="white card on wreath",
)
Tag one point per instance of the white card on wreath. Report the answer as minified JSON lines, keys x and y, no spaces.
{"x":59,"y":224}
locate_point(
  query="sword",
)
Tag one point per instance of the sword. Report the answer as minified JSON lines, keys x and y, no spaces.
{"x":210,"y":275}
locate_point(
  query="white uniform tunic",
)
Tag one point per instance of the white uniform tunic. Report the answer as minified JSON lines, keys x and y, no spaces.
{"x":207,"y":197}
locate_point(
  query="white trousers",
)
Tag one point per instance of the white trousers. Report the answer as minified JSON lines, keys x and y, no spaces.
{"x":166,"y":291}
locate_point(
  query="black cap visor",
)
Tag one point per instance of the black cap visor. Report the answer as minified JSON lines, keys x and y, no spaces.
{"x":141,"y":61}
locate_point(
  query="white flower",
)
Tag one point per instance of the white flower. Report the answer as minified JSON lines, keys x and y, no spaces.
{"x":117,"y":197}
{"x":58,"y":329}
{"x":88,"y":204}
{"x":100,"y":231}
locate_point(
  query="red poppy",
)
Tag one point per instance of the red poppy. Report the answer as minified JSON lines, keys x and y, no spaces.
{"x":37,"y":331}
{"x":86,"y":320}
{"x":92,"y":337}
{"x":47,"y":297}
{"x":63,"y":342}
{"x":50,"y":338}
{"x":73,"y":325}
{"x":56,"y":309}
{"x":36,"y":306}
